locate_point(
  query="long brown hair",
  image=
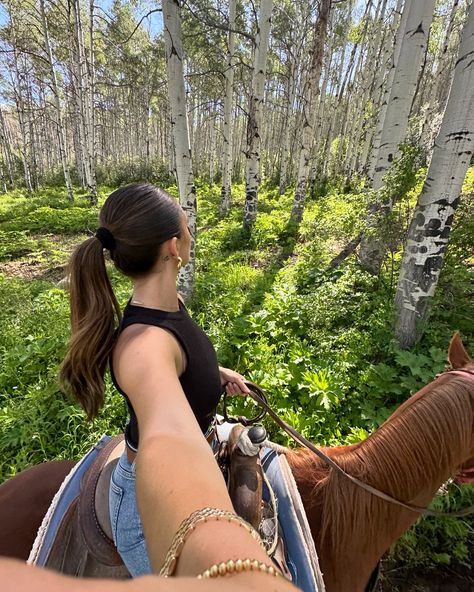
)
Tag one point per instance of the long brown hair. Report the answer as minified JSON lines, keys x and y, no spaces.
{"x":140,"y":218}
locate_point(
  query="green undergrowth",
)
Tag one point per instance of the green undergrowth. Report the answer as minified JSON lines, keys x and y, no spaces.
{"x":319,"y":340}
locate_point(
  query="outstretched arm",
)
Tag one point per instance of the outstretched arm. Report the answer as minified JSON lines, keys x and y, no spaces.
{"x":15,"y":576}
{"x":175,"y":468}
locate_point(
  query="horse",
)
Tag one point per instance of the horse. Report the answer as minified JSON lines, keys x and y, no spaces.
{"x":428,"y":439}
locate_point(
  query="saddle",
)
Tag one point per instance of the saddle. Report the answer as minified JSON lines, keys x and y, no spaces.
{"x":83,"y":545}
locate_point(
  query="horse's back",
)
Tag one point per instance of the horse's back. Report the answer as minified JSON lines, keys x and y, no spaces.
{"x":24,"y":500}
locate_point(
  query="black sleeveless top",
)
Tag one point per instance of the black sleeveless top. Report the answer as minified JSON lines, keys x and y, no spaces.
{"x":200,"y":381}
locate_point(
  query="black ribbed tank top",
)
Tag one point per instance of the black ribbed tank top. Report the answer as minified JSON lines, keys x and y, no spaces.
{"x":200,"y":380}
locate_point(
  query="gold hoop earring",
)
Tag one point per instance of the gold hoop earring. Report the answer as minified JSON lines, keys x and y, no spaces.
{"x":180,"y":262}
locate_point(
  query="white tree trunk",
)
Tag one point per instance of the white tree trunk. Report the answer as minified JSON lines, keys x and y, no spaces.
{"x":20,"y":106}
{"x":227,"y":127}
{"x":180,"y":133}
{"x":254,"y":125}
{"x":310,"y":110}
{"x":6,"y":143}
{"x":404,"y":86}
{"x":402,"y":93}
{"x":92,"y":148}
{"x":61,"y":136}
{"x":368,"y":75}
{"x":402,"y":21}
{"x":433,"y":216}
{"x":84,"y":86}
{"x":438,"y":78}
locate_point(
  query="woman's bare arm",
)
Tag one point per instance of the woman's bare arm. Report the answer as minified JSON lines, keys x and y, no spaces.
{"x":176,"y":471}
{"x":15,"y":576}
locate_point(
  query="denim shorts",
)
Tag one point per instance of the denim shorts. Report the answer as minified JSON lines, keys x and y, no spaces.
{"x":125,"y":520}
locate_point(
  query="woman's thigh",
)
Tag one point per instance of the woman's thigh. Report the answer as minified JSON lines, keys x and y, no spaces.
{"x":125,"y":519}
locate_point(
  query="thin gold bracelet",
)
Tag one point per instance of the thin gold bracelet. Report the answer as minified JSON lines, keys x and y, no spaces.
{"x":238,"y":566}
{"x":190,"y":523}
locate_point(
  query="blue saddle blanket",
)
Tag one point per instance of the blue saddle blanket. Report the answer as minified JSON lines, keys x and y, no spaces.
{"x":300,"y":553}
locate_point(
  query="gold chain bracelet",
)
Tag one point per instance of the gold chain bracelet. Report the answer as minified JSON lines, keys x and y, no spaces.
{"x":238,"y":566}
{"x":190,"y":523}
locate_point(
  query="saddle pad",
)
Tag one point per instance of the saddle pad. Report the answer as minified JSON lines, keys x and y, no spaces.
{"x":301,"y":555}
{"x":68,"y":491}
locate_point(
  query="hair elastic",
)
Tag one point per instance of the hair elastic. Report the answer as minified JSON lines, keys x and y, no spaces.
{"x":106,"y":238}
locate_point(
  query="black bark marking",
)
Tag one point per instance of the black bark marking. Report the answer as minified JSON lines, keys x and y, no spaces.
{"x":418,"y":236}
{"x":432,"y":228}
{"x":464,"y":57}
{"x":420,"y":219}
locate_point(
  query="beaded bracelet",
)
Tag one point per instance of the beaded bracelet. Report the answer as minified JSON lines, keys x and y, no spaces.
{"x":238,"y":566}
{"x":190,"y":523}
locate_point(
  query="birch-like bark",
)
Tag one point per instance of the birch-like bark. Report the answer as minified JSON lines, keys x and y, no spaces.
{"x":2,"y":180}
{"x":402,"y":93}
{"x":326,"y":142}
{"x":6,"y":142}
{"x":60,"y":132}
{"x":227,"y":127}
{"x":310,"y":111}
{"x":367,"y":74}
{"x":20,"y":107}
{"x":254,"y":124}
{"x":179,"y":126}
{"x":376,"y":94}
{"x":90,"y":111}
{"x":434,"y":214}
{"x":85,"y":101}
{"x":437,"y":79}
{"x":389,"y":81}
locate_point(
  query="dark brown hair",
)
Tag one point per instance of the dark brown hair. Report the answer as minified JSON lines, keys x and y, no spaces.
{"x":140,"y":218}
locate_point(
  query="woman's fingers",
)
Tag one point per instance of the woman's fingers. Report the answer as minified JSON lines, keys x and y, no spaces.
{"x":237,"y":388}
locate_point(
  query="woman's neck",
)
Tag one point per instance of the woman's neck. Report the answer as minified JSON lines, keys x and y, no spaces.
{"x":156,"y":291}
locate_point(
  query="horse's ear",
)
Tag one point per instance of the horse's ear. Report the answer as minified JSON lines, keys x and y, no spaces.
{"x":457,"y":355}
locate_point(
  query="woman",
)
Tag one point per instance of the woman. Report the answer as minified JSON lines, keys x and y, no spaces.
{"x":162,"y":363}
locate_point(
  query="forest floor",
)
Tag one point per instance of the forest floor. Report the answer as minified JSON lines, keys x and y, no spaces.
{"x":398,"y":578}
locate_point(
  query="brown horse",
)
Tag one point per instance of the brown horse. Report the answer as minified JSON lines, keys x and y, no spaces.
{"x":429,"y":438}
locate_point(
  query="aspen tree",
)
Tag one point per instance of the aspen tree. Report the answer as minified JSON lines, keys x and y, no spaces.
{"x":254,"y":123}
{"x":61,"y":136}
{"x":402,"y":92}
{"x":433,"y":216}
{"x":312,"y":93}
{"x":180,"y":133}
{"x":227,"y":126}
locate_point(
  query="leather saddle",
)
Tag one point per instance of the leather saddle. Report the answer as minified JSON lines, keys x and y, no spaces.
{"x":83,"y":545}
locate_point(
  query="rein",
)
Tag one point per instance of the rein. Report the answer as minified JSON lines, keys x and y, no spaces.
{"x":257,"y":394}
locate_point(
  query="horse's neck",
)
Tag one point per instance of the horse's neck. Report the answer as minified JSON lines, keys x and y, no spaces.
{"x":408,"y":458}
{"x":351,"y":567}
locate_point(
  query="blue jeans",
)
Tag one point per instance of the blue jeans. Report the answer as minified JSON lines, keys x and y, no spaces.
{"x":126,"y":524}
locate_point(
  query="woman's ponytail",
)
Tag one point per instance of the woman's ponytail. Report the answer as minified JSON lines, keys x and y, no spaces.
{"x":95,"y":314}
{"x":134,"y":222}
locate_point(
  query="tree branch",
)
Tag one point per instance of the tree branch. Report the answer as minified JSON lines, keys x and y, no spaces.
{"x":216,"y":25}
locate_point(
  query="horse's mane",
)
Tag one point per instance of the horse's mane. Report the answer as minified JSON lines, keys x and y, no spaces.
{"x":413,"y":452}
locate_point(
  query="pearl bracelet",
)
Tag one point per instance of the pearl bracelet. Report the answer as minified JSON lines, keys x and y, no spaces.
{"x":238,"y":566}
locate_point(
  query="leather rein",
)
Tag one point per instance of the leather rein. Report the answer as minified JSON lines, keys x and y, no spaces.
{"x":257,"y":394}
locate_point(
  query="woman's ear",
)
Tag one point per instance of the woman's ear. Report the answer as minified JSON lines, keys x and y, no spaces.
{"x":173,"y":246}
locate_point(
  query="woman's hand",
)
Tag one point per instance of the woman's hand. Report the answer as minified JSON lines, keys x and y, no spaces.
{"x":233,"y":382}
